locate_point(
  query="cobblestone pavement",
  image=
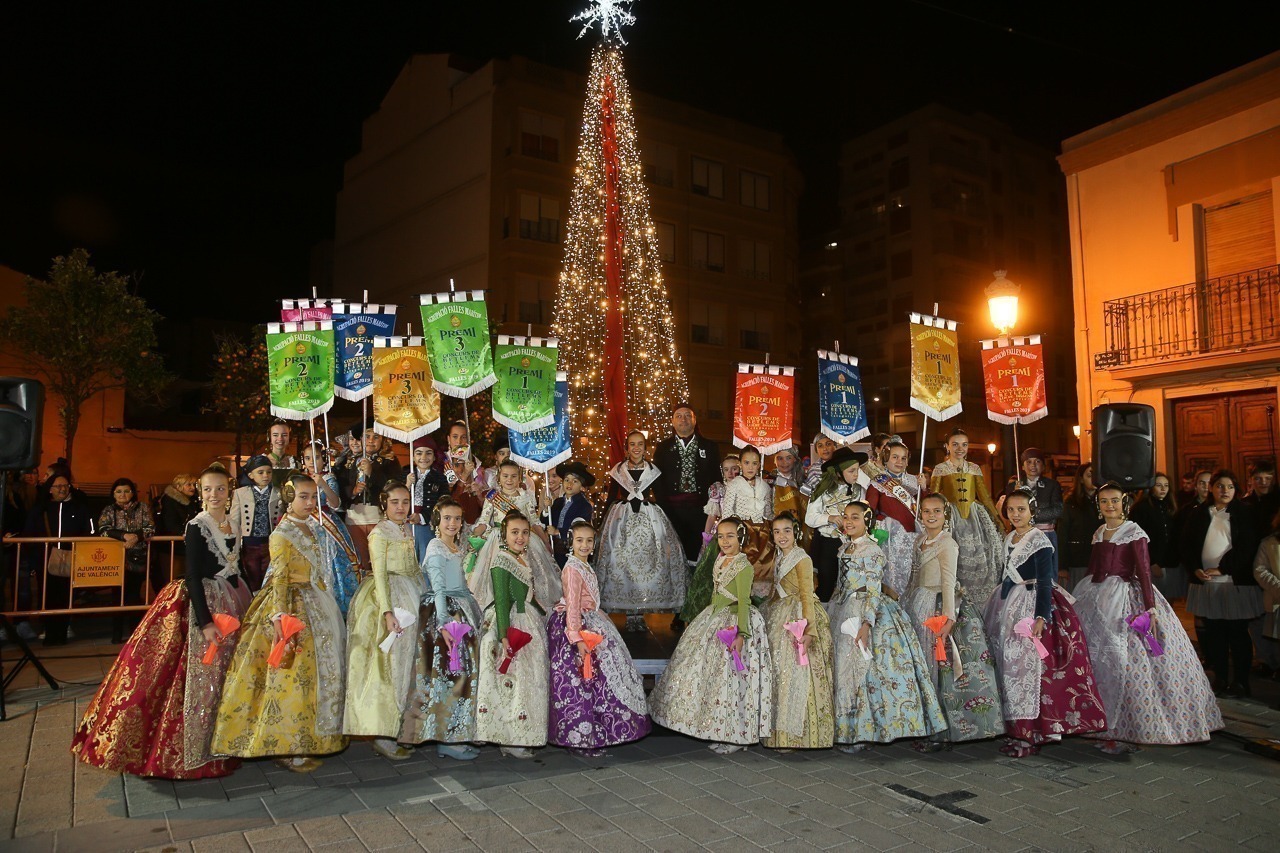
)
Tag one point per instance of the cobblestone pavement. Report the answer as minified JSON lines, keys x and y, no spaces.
{"x":666,"y":793}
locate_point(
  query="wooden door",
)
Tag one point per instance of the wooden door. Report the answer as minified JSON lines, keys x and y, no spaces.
{"x":1226,"y":431}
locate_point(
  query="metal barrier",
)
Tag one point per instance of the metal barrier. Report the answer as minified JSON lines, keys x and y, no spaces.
{"x":15,"y":568}
{"x":104,"y":559}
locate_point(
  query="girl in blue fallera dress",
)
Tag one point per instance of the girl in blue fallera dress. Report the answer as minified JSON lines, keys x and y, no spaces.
{"x":883,"y":688}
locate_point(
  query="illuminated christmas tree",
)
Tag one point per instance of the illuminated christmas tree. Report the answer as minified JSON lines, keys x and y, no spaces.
{"x":613,"y":315}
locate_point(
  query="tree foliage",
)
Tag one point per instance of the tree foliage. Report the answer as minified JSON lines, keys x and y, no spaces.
{"x":83,"y":332}
{"x":240,"y":395}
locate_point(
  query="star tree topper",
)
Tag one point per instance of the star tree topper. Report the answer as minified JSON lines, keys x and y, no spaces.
{"x":611,"y":15}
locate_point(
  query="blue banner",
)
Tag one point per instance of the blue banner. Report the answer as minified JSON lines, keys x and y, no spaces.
{"x":543,"y":449}
{"x":841,"y":406}
{"x":354,"y":328}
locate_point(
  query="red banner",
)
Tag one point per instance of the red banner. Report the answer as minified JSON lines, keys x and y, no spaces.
{"x":1013,"y":371}
{"x":615,"y":368}
{"x":764,"y":407}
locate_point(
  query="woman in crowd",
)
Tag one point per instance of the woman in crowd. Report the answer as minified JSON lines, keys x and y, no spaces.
{"x":840,"y":485}
{"x":641,"y":563}
{"x":893,"y":494}
{"x":973,"y":519}
{"x":1156,"y":513}
{"x":802,"y":715}
{"x":60,"y":511}
{"x":1148,"y":698}
{"x":178,"y":505}
{"x":882,"y":686}
{"x":385,"y":606}
{"x":820,"y":450}
{"x":700,"y":584}
{"x":291,"y":710}
{"x":1266,"y":571}
{"x":512,"y":705}
{"x":1044,"y":699}
{"x":1219,"y":543}
{"x":442,"y":706}
{"x":128,"y":520}
{"x":589,"y":714}
{"x":966,"y":680}
{"x":1076,"y":525}
{"x":153,"y":715}
{"x":702,"y":693}
{"x":788,"y":476}
{"x":511,"y":495}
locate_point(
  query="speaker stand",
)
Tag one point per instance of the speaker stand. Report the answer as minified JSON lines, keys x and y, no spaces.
{"x":28,"y":656}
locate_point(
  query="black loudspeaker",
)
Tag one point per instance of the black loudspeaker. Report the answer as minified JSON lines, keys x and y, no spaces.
{"x":21,"y":407}
{"x":1124,"y":445}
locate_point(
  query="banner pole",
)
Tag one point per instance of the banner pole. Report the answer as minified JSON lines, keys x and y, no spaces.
{"x":328,"y":439}
{"x":315,"y":454}
{"x":364,"y":426}
{"x":1017,"y":462}
{"x":924,"y":437}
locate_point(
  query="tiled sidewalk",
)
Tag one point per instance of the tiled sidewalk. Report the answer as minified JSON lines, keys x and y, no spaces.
{"x":664,"y":793}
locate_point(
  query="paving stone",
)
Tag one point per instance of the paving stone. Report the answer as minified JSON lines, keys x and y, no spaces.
{"x":378,"y":830}
{"x":695,"y":827}
{"x":318,"y":802}
{"x":115,"y":835}
{"x":219,"y":818}
{"x":662,"y":807}
{"x":231,"y":842}
{"x":283,"y":832}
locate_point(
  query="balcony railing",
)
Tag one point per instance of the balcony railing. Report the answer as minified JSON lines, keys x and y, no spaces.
{"x":1228,"y":313}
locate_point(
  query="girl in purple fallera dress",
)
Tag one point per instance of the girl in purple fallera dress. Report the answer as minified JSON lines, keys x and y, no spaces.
{"x":608,"y":708}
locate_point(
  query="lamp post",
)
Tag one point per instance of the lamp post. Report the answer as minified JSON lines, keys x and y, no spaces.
{"x":1002,"y":302}
{"x":991,"y":459}
{"x":1079,"y":449}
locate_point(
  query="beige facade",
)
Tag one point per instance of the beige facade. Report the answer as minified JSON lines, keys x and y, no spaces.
{"x":931,"y":205}
{"x":1173,"y":212}
{"x":467,"y":175}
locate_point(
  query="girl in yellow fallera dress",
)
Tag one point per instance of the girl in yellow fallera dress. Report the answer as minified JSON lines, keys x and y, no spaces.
{"x":385,"y":609}
{"x":294,"y":710}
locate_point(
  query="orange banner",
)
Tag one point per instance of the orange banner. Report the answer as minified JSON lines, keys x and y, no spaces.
{"x":764,"y":407}
{"x":1013,"y":372}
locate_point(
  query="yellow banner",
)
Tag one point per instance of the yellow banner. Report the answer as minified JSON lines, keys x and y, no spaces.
{"x":935,"y":367}
{"x":406,"y":406}
{"x":97,"y":563}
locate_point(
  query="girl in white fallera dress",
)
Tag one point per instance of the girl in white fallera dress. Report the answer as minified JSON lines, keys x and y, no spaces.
{"x":1165,"y":698}
{"x":511,"y":706}
{"x":509,"y":496}
{"x":641,"y":563}
{"x":750,"y":498}
{"x":702,"y":693}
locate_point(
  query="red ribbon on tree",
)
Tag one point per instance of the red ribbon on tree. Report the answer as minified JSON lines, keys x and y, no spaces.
{"x":615,"y":367}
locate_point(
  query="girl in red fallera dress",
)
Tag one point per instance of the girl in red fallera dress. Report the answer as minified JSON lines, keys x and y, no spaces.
{"x":154,"y":713}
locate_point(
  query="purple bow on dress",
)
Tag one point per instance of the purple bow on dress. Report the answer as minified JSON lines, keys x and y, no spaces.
{"x":457,"y":630}
{"x":1141,"y":624}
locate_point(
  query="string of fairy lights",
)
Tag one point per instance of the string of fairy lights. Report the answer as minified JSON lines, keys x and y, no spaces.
{"x":655,"y":375}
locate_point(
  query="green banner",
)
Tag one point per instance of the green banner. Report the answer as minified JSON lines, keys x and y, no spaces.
{"x":525,"y":397}
{"x":300,"y":369}
{"x":455,"y":329}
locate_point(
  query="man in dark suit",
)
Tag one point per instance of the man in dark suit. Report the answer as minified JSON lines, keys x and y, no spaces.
{"x":689,"y":463}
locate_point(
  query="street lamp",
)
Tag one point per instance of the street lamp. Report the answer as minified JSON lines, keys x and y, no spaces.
{"x":1079,"y":450}
{"x":1002,"y":301}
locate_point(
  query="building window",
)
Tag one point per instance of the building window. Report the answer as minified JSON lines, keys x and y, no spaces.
{"x":710,"y":397}
{"x":708,"y":178}
{"x":900,"y":219}
{"x":754,"y":260}
{"x":539,"y":218}
{"x":659,"y":163}
{"x":706,"y":251}
{"x":1239,"y":236}
{"x":900,"y":265}
{"x":899,"y":174}
{"x":754,"y":329}
{"x":537,"y":300}
{"x":707,"y":323}
{"x":666,"y":241}
{"x":754,"y":189}
{"x":540,"y":136}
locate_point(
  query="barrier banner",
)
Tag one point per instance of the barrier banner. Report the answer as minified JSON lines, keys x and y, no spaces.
{"x":455,"y":328}
{"x":842,"y":410}
{"x":543,"y":449}
{"x":354,"y":328}
{"x":524,"y":398}
{"x":300,"y":369}
{"x":935,"y":367}
{"x":1013,"y":373}
{"x":97,"y":563}
{"x":406,"y":405}
{"x":764,"y":407}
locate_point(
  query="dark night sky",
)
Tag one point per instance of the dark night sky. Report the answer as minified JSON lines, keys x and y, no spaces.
{"x":200,"y":144}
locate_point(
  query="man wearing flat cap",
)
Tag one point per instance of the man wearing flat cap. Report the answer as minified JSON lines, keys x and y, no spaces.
{"x":1047,"y":491}
{"x":255,"y":511}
